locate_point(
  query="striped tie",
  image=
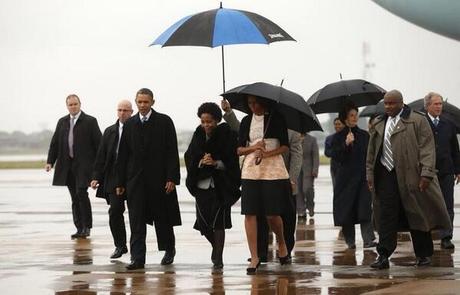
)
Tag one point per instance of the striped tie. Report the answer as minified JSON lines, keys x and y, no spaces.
{"x":387,"y":155}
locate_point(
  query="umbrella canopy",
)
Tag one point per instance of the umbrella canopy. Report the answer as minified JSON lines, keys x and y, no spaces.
{"x":373,"y":110}
{"x":298,"y":115}
{"x":333,"y":97}
{"x":219,"y":27}
{"x":449,"y":111}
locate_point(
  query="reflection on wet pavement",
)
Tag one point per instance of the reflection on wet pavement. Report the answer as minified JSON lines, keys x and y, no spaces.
{"x":37,"y":255}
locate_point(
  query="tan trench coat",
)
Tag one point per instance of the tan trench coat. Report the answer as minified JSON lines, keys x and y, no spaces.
{"x":414,"y":155}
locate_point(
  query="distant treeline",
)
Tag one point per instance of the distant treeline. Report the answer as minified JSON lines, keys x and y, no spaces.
{"x":18,"y":142}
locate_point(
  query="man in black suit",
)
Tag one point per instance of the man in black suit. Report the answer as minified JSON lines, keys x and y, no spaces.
{"x":148,"y":169}
{"x":104,"y":177}
{"x":72,"y":152}
{"x":447,"y":157}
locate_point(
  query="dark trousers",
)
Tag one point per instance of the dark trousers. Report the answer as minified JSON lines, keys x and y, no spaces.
{"x":289,"y":225}
{"x":81,"y":206}
{"x":117,"y":220}
{"x":367,"y":233}
{"x":392,"y":217}
{"x":447,"y":183}
{"x":137,"y":209}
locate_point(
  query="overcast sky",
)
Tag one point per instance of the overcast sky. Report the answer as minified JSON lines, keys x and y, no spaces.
{"x":99,"y":50}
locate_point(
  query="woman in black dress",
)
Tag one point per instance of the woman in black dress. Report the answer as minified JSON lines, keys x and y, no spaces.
{"x":213,"y":177}
{"x":265,"y":181}
{"x":352,"y":198}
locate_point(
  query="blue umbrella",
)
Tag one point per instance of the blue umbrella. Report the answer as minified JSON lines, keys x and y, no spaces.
{"x":219,"y":27}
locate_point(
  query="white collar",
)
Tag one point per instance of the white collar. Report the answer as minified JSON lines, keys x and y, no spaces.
{"x":75,"y":116}
{"x":432,"y":118}
{"x":148,"y":115}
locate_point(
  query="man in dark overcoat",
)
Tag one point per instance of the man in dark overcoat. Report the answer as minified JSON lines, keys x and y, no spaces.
{"x":104,"y":177}
{"x":72,"y":152}
{"x":447,"y":157}
{"x":148,"y":169}
{"x":401,"y":170}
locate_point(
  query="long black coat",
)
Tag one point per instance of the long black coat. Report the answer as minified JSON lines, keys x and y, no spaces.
{"x":148,"y":158}
{"x":222,"y":146}
{"x":352,"y":198}
{"x":447,"y":150}
{"x":87,"y":135}
{"x":104,"y":166}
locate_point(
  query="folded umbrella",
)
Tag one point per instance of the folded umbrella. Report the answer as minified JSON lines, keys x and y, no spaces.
{"x":333,"y":97}
{"x":298,"y":115}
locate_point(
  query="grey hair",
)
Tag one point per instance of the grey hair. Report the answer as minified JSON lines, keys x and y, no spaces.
{"x":427,"y":99}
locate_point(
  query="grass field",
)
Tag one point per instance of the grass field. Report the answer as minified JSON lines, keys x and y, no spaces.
{"x":41,"y":164}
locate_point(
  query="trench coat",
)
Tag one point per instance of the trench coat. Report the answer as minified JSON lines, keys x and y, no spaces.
{"x":87,"y":135}
{"x":414,"y":155}
{"x":352,"y":202}
{"x":148,"y":157}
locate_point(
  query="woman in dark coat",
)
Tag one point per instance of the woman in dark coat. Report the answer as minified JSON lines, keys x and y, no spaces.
{"x":213,"y":177}
{"x":352,"y":198}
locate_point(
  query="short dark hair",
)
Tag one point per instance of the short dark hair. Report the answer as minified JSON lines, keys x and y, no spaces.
{"x":145,"y":91}
{"x":70,"y":96}
{"x":344,"y":112}
{"x":336,"y":119}
{"x":210,"y":108}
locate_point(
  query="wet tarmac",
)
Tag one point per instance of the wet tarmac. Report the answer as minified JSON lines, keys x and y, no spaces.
{"x":37,"y":255}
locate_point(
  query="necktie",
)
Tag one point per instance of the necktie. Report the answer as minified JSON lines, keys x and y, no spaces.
{"x":435,"y":122}
{"x":120,"y":130}
{"x":70,"y":138}
{"x":144,"y":119}
{"x":387,"y":155}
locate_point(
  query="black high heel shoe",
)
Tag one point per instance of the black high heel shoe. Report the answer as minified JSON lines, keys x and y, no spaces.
{"x":252,"y":270}
{"x":285,"y":260}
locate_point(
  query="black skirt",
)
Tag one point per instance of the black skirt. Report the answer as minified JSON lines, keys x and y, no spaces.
{"x":265,"y":197}
{"x":210,"y":213}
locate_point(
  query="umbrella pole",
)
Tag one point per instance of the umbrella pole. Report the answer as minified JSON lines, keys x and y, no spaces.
{"x":223,"y":70}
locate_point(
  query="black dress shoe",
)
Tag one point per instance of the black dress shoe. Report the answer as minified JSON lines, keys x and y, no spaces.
{"x":423,"y":261}
{"x":135,"y":265}
{"x":168,"y":258}
{"x":447,"y":244}
{"x":85,"y":233}
{"x":218,"y":264}
{"x":119,"y":251}
{"x":76,"y":235}
{"x":370,"y":245}
{"x":381,"y":263}
{"x":252,"y":270}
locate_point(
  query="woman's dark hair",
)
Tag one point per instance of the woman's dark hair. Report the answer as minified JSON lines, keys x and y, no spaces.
{"x":210,"y":108}
{"x":267,"y":104}
{"x":344,"y":112}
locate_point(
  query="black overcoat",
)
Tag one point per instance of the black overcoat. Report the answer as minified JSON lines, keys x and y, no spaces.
{"x":447,"y":150}
{"x":352,"y":198}
{"x":148,"y":157}
{"x":222,"y":146}
{"x":87,"y":136}
{"x":104,"y":166}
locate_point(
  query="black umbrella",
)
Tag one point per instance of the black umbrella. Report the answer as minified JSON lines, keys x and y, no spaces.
{"x":449,"y":111}
{"x":219,"y":27}
{"x":333,"y":97}
{"x":373,"y":110}
{"x":298,"y":115}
